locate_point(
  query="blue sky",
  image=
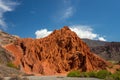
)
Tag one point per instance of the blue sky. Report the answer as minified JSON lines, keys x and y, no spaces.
{"x":27,"y":18}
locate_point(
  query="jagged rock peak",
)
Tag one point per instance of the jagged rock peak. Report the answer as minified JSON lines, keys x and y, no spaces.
{"x":63,"y":32}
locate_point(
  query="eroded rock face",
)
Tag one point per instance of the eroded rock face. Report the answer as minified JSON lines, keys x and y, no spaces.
{"x":61,"y":51}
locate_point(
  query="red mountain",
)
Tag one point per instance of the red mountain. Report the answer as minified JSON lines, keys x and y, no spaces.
{"x":61,"y":51}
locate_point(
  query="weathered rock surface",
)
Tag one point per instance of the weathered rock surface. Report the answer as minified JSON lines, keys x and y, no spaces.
{"x":60,"y":52}
{"x":6,"y":38}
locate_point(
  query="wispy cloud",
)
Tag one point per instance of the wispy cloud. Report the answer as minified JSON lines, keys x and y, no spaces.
{"x":68,"y":10}
{"x":5,"y":6}
{"x":68,"y":13}
{"x":83,"y":31}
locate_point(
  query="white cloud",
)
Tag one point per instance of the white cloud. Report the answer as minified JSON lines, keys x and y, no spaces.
{"x":42,"y":33}
{"x":101,"y":39}
{"x":5,"y":6}
{"x":82,"y":31}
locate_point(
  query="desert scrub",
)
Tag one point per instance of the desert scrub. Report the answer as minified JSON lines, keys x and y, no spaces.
{"x":84,"y":74}
{"x":74,"y":74}
{"x":81,"y":74}
{"x":102,"y":74}
{"x":115,"y":76}
{"x":92,"y":74}
{"x":10,"y":64}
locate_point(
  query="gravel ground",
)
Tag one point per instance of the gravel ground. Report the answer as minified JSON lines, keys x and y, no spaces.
{"x":55,"y":78}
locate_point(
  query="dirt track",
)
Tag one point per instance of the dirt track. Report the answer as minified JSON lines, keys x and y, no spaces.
{"x":56,"y":78}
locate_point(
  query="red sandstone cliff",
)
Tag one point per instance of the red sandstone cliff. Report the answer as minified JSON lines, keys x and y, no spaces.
{"x":61,"y":51}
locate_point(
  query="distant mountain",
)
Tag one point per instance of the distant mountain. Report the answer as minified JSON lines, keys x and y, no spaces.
{"x":60,"y":52}
{"x":94,"y":43}
{"x":107,"y":50}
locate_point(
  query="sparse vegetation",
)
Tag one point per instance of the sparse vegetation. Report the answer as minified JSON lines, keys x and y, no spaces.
{"x":102,"y":74}
{"x":74,"y":74}
{"x":92,"y":74}
{"x":10,"y":64}
{"x":115,"y":76}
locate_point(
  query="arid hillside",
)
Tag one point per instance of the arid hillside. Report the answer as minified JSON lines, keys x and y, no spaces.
{"x":107,"y":50}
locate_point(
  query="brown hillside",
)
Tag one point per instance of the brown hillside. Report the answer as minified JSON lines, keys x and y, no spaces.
{"x":61,"y":51}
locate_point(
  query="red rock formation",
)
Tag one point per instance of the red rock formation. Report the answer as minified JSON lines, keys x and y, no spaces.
{"x":61,"y":51}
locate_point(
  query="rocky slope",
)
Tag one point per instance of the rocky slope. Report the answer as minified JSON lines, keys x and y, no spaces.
{"x":107,"y":50}
{"x":60,"y":52}
{"x":6,"y":38}
{"x":94,"y":43}
{"x":110,"y":51}
{"x":5,"y":56}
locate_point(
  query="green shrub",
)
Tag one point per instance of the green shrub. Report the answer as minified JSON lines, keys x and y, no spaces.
{"x":74,"y":74}
{"x":84,"y":74}
{"x":116,"y":75}
{"x":113,"y":77}
{"x":10,"y":64}
{"x":81,"y":74}
{"x":102,"y":74}
{"x":92,"y":74}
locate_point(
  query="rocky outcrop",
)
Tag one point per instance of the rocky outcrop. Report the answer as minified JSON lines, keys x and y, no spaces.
{"x":6,"y":38}
{"x":61,"y":51}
